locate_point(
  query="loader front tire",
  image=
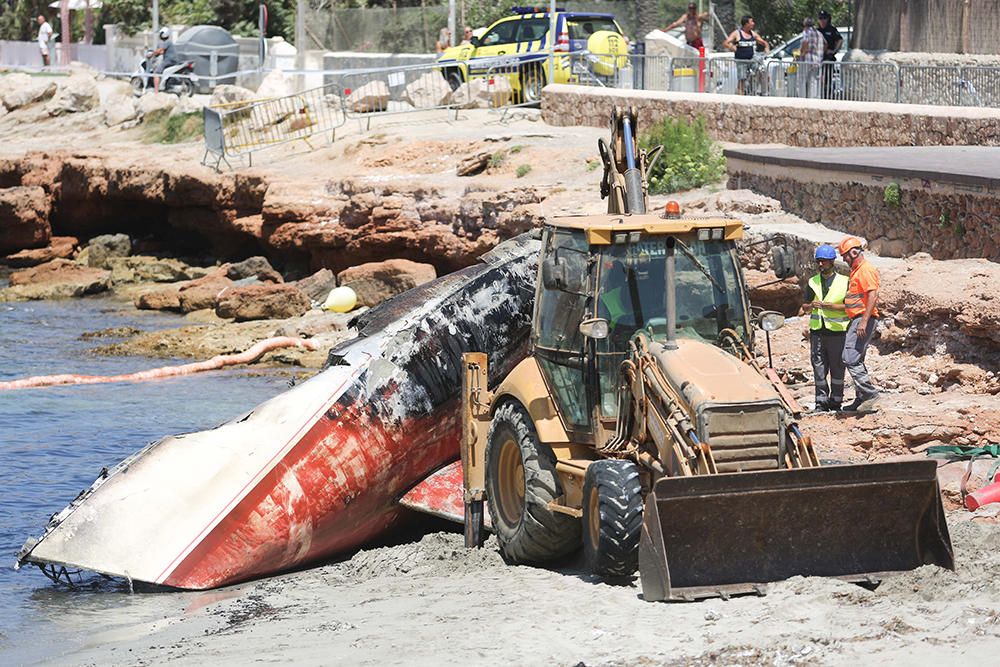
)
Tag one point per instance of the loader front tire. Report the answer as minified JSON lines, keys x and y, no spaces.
{"x":612,"y":517}
{"x":521,"y":481}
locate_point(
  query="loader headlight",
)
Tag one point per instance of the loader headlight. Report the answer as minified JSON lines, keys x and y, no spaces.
{"x":771,"y":321}
{"x":711,"y":233}
{"x":596,"y":328}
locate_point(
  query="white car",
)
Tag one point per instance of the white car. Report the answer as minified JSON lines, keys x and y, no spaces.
{"x":790,"y":50}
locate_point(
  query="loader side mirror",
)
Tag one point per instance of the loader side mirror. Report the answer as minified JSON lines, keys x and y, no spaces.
{"x":783,"y":261}
{"x":771,"y":320}
{"x":595,"y":328}
{"x":555,"y":275}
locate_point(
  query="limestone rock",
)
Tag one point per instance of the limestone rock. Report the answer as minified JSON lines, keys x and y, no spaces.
{"x":430,"y":90}
{"x":24,"y":218}
{"x":785,"y":297}
{"x":275,"y":84}
{"x":163,"y":299}
{"x":187,"y":104}
{"x":479,"y":93}
{"x":375,"y":282}
{"x":262,"y":302}
{"x":318,"y":285}
{"x":314,"y":323}
{"x":156,"y":102}
{"x":203,"y":292}
{"x":18,"y":90}
{"x":119,"y":106}
{"x":73,"y":95}
{"x":227,"y":94}
{"x":252,"y":267}
{"x":60,"y":278}
{"x":145,"y":269}
{"x":102,"y":248}
{"x":59,"y":247}
{"x":369,"y":98}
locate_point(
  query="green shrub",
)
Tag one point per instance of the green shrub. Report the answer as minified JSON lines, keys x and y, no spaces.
{"x":523,"y":170}
{"x":160,"y":127}
{"x":496,"y":159}
{"x":892,"y":195}
{"x":690,"y":158}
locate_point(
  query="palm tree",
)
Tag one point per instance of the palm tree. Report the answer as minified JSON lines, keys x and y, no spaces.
{"x":726,"y":11}
{"x":647,"y":17}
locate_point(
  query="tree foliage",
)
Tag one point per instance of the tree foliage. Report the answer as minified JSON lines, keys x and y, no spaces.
{"x":780,"y":20}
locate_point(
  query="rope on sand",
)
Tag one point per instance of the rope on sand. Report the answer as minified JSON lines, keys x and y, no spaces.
{"x":216,"y":362}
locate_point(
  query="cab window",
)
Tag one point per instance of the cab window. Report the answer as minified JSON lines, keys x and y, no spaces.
{"x":502,"y":33}
{"x":532,"y":30}
{"x":583,"y":28}
{"x":559,"y":346}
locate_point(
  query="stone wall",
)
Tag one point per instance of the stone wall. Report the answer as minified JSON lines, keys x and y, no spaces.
{"x":796,"y":122}
{"x":948,"y":221}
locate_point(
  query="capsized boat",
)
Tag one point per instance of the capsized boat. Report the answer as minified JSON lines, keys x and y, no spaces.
{"x":317,"y":470}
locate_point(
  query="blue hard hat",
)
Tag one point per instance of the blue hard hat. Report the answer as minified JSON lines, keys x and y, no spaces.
{"x":826,"y":251}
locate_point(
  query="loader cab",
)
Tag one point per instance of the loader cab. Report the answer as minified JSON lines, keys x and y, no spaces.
{"x":596,"y":269}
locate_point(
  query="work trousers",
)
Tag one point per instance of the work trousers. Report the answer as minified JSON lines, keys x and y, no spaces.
{"x":827,"y":356}
{"x":855,"y":348}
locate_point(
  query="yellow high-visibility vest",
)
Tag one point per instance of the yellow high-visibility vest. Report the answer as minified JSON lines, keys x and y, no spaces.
{"x":831,"y":320}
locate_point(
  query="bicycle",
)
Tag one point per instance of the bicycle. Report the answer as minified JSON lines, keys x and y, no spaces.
{"x":752,"y":76}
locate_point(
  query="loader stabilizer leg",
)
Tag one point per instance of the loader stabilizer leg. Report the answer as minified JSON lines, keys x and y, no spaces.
{"x":718,"y":535}
{"x":476,"y":401}
{"x":474,"y":523}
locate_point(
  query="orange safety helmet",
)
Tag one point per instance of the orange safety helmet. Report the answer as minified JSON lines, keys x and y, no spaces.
{"x":848,"y":243}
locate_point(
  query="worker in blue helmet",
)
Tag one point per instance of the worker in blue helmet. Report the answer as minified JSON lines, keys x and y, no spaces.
{"x":824,"y":301}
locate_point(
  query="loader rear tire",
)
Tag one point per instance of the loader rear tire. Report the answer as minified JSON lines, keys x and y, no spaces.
{"x":521,"y":481}
{"x":612,"y":517}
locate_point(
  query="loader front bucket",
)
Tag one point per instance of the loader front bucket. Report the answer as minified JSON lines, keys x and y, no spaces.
{"x":724,"y":534}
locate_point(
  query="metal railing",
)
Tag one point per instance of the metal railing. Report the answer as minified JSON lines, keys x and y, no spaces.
{"x":502,"y":83}
{"x":851,"y":81}
{"x":238,"y":129}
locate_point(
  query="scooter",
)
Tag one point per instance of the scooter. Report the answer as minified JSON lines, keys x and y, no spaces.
{"x":177,"y":79}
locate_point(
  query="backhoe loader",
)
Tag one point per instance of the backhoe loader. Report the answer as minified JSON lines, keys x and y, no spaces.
{"x":642,"y":427}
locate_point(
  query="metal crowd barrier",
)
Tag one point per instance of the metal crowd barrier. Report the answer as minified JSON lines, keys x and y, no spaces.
{"x":851,"y":81}
{"x":238,"y":129}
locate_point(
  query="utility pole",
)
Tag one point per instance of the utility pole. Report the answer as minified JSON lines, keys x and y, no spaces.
{"x":451,"y":23}
{"x":300,"y":34}
{"x":67,"y":31}
{"x":552,"y":40}
{"x":156,"y":20}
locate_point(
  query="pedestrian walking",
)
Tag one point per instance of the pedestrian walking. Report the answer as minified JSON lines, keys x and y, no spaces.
{"x":44,"y":37}
{"x":824,"y":299}
{"x":692,"y":21}
{"x":810,"y":59}
{"x":743,"y":43}
{"x":861,"y":305}
{"x":832,"y":41}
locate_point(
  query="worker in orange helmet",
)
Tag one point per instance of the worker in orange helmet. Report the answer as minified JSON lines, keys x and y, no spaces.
{"x":861,"y":307}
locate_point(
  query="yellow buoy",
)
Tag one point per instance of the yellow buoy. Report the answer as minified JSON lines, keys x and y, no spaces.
{"x":341,"y":300}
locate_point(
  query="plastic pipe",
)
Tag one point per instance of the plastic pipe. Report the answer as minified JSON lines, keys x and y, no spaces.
{"x":983,"y":496}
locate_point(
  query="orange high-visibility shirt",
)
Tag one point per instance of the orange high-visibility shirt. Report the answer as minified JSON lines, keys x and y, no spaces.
{"x":864,"y":278}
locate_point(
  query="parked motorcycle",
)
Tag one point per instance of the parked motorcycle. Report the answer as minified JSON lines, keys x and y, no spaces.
{"x":177,"y":79}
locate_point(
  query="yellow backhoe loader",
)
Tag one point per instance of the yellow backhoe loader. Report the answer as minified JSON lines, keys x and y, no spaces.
{"x":641,"y":426}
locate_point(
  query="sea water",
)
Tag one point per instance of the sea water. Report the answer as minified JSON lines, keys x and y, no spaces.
{"x":55,"y":441}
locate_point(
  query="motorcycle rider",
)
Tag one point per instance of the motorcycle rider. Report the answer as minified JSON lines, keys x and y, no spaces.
{"x":168,"y":56}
